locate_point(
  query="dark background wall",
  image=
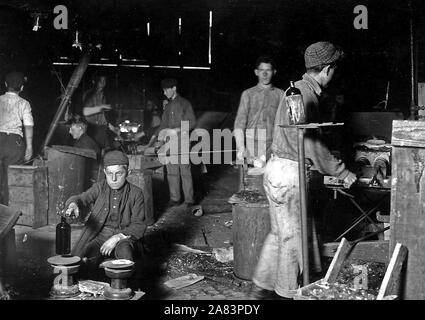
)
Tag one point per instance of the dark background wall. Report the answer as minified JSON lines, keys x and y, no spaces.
{"x":242,"y":30}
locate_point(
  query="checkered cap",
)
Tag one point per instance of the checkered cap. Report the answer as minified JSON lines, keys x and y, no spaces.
{"x":321,"y":53}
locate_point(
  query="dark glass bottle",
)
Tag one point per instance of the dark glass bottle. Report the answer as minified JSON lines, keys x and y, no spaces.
{"x":63,"y":237}
{"x":294,"y":102}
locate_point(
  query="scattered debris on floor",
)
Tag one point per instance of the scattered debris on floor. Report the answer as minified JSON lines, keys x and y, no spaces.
{"x":183,"y":281}
{"x":183,"y":248}
{"x":223,"y":254}
{"x":181,"y":264}
{"x":351,"y":271}
{"x":357,"y":280}
{"x":247,"y":197}
{"x":228,"y":223}
{"x":92,"y":287}
{"x":197,"y":211}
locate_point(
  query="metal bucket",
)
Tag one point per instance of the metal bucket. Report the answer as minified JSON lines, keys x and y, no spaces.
{"x":253,"y":180}
{"x":251,"y":224}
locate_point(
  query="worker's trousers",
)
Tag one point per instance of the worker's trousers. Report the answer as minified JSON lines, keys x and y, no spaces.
{"x":12,"y":151}
{"x":125,"y":249}
{"x":175,"y":173}
{"x":280,"y":261}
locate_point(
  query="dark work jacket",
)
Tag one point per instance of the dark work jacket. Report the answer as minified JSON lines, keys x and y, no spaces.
{"x":85,"y":142}
{"x":177,"y":110}
{"x":131,"y":208}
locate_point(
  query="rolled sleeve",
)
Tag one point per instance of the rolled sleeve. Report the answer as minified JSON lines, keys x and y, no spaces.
{"x":27,"y":118}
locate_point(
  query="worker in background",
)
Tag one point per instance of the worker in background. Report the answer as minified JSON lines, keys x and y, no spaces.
{"x":78,"y":131}
{"x":117,"y":219}
{"x":16,"y":129}
{"x":151,"y":122}
{"x":280,"y":261}
{"x":254,"y":121}
{"x":177,"y":111}
{"x":94,"y":108}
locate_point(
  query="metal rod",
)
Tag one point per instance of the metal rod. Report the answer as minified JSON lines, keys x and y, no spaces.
{"x":413,"y":83}
{"x":359,"y":219}
{"x":369,"y":235}
{"x":365,"y":214}
{"x":303,"y":206}
{"x":205,"y":237}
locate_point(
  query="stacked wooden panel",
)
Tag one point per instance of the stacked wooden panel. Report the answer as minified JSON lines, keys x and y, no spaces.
{"x":28,"y":193}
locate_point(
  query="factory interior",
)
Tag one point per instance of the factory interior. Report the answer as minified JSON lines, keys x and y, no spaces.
{"x":347,"y":227}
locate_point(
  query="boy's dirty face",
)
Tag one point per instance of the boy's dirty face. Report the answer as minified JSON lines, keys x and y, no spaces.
{"x":116,"y":176}
{"x":75,"y":131}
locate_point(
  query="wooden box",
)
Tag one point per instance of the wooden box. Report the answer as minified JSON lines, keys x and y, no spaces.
{"x":140,"y":162}
{"x":28,"y":193}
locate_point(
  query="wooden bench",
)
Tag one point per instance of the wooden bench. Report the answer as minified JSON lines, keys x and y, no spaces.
{"x":8,"y":219}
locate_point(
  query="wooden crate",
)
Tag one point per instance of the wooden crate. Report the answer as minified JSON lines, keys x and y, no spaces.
{"x":28,"y":193}
{"x":391,"y":284}
{"x":141,"y":162}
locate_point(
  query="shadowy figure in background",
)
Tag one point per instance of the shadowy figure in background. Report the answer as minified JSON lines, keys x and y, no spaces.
{"x":94,"y":108}
{"x":177,"y":111}
{"x":78,"y":131}
{"x":257,"y":111}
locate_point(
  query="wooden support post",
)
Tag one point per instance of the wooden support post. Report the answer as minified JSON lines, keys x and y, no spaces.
{"x":407,"y":214}
{"x":303,"y":206}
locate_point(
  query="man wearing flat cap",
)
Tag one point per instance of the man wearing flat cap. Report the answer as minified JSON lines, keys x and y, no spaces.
{"x":16,"y":129}
{"x":117,"y":218}
{"x":177,"y":111}
{"x":280,"y":262}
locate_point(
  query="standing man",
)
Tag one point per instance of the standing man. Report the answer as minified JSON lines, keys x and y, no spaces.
{"x":177,"y":111}
{"x":78,"y":129}
{"x":257,"y":111}
{"x":117,"y":219}
{"x":280,"y":262}
{"x":15,"y":113}
{"x":94,"y":107}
